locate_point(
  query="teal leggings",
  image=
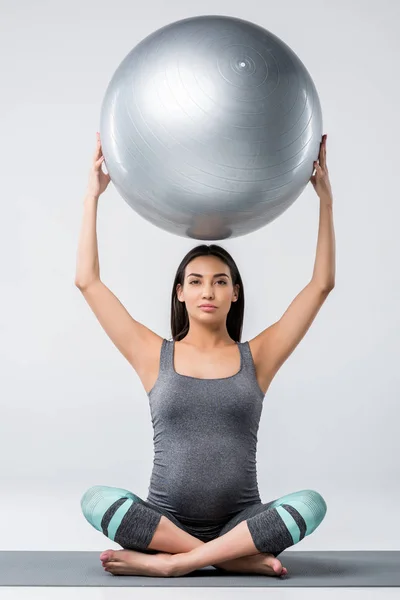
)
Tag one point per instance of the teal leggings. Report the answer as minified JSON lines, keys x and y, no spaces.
{"x":131,"y":522}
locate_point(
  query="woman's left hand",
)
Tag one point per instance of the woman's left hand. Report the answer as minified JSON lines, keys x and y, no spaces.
{"x":320,"y":180}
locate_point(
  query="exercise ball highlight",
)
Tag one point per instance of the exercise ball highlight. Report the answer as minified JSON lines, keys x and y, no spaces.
{"x":210,"y":127}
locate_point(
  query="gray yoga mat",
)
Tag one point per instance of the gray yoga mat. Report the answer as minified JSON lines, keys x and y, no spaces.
{"x":305,"y":569}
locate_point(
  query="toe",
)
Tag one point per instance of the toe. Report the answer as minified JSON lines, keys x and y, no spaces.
{"x":113,"y":569}
{"x":106,"y":555}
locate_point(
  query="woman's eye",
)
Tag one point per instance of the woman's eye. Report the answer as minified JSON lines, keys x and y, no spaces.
{"x":219,"y":281}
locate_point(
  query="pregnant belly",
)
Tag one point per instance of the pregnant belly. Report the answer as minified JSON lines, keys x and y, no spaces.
{"x":203,"y":487}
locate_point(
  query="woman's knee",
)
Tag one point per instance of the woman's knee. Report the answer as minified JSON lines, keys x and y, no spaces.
{"x":310,"y":505}
{"x":98,"y":499}
{"x":315,"y":507}
{"x":318,"y":501}
{"x":121,"y":516}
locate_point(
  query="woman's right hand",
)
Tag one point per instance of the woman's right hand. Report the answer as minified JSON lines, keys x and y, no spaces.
{"x":98,"y":180}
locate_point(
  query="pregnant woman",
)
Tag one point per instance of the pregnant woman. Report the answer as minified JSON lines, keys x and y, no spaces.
{"x":206,"y":390}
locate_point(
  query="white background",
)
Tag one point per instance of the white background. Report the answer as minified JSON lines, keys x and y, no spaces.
{"x":73,"y":412}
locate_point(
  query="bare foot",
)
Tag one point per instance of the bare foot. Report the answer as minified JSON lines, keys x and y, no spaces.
{"x":263,"y":563}
{"x":130,"y":562}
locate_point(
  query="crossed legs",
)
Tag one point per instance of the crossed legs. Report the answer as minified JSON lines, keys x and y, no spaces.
{"x":258,"y":532}
{"x":126,"y":519}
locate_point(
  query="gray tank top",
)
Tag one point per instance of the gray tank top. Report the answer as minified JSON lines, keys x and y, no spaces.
{"x":205,"y":442}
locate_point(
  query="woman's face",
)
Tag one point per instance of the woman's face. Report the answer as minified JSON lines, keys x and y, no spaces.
{"x":207,"y":280}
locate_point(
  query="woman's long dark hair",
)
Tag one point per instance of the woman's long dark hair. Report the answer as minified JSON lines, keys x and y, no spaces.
{"x":179,"y":314}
